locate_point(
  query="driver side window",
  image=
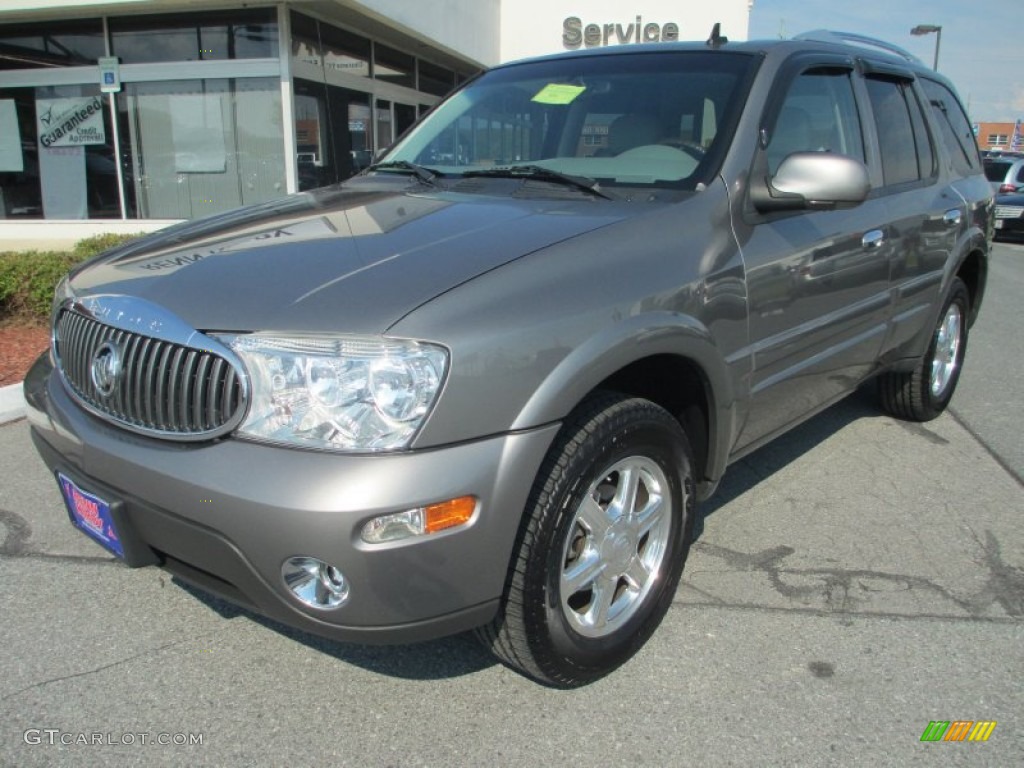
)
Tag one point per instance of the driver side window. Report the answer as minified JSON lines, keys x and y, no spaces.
{"x":818,"y":114}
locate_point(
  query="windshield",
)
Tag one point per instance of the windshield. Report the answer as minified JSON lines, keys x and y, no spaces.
{"x":656,"y":119}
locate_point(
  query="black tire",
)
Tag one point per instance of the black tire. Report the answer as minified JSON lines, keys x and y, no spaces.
{"x":924,"y":392}
{"x":565,"y":635}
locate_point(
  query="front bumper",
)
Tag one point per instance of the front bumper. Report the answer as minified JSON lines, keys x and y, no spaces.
{"x":226,"y":514}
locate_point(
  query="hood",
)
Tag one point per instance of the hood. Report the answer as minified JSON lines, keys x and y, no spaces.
{"x":354,"y":259}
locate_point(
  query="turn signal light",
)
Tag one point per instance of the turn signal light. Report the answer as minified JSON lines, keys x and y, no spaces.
{"x":448,"y":514}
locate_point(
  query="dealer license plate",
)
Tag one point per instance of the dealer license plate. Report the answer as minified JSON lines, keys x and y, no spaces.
{"x":90,"y":514}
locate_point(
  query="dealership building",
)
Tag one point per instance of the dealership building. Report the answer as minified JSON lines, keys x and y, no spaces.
{"x":127,"y":115}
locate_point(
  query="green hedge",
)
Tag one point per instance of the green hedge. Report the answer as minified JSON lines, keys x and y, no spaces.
{"x":27,"y":279}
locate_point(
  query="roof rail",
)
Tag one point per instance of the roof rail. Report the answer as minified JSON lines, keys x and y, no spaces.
{"x":831,"y":36}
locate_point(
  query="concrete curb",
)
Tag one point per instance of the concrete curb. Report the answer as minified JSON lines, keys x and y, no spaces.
{"x":12,"y":403}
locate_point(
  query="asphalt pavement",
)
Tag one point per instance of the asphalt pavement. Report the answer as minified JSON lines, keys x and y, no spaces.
{"x":854,"y":581}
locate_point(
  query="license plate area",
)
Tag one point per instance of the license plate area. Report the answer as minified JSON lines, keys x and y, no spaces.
{"x":91,"y":515}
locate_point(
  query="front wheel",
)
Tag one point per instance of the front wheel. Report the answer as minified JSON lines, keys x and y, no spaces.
{"x":923,"y":393}
{"x":602,"y":545}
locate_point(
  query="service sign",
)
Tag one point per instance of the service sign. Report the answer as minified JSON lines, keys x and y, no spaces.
{"x":70,"y":122}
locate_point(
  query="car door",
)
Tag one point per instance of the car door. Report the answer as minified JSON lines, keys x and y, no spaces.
{"x":818,"y":280}
{"x":926,"y":213}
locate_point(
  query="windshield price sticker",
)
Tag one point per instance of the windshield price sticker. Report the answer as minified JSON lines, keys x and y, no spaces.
{"x":558,"y":93}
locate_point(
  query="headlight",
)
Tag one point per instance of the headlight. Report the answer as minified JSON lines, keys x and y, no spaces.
{"x":347,"y":394}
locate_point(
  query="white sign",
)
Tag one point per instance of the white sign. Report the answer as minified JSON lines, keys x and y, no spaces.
{"x":62,"y":172}
{"x":11,"y":158}
{"x":110,"y":74}
{"x":197,"y":130}
{"x":539,"y":27}
{"x":70,"y":122}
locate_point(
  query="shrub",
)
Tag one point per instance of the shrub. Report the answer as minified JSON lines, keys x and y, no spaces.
{"x":27,"y":279}
{"x":91,"y":246}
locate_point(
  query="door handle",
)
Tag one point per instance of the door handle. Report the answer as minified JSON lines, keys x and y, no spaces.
{"x":952,"y":217}
{"x":873,"y":239}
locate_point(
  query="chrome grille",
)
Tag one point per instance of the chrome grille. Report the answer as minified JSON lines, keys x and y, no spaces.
{"x":163,"y":387}
{"x":1009,"y":211}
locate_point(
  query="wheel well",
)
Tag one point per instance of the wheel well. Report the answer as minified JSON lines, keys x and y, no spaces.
{"x":678,"y":386}
{"x":972,"y":272}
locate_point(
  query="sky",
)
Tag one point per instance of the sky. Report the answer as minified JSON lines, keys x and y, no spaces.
{"x":980,"y":52}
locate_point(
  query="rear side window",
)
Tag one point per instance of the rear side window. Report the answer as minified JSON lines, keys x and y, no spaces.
{"x":954,"y":127}
{"x":903,"y":138}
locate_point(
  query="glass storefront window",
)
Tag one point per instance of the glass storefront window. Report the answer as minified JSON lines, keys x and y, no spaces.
{"x":311,"y":135}
{"x":197,"y":147}
{"x":332,"y":50}
{"x":190,"y":147}
{"x":240,"y":34}
{"x":405,"y":116}
{"x":57,"y":154}
{"x":344,"y":52}
{"x":385,"y":130}
{"x":332,"y":130}
{"x":393,"y":66}
{"x":435,"y":80}
{"x":305,"y":41}
{"x":51,"y":44}
{"x":359,"y":132}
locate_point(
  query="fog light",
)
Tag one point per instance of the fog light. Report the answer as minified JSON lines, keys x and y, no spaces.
{"x":420,"y":521}
{"x":314,"y":582}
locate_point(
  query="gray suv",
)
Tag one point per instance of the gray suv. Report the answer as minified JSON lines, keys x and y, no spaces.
{"x":484,"y":384}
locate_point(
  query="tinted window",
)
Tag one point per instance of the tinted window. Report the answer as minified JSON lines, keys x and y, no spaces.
{"x":58,"y":44}
{"x":903,"y":140}
{"x":922,"y":136}
{"x":344,"y":52}
{"x":394,"y":66}
{"x":818,"y":114}
{"x":195,"y":36}
{"x":996,"y":171}
{"x":436,"y":80}
{"x":954,"y":127}
{"x":57,"y":166}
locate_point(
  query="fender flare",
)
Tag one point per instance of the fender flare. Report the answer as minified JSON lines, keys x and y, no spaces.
{"x":634,"y":339}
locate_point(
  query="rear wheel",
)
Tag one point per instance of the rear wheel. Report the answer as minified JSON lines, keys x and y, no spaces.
{"x":923,"y":393}
{"x":602,"y":545}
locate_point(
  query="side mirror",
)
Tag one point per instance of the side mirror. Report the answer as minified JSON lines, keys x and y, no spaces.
{"x":813,"y":180}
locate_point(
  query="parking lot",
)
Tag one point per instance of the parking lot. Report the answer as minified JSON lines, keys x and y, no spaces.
{"x":853,"y":581}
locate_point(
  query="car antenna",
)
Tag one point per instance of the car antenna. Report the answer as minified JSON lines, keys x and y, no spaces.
{"x":716,"y":40}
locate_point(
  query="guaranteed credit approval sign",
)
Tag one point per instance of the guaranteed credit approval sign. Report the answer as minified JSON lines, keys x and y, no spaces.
{"x":70,"y":122}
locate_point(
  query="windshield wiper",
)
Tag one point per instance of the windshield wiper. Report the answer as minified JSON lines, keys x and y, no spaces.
{"x":541,"y":173}
{"x":426,"y":175}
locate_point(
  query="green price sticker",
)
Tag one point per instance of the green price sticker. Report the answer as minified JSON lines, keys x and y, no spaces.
{"x":556,"y":93}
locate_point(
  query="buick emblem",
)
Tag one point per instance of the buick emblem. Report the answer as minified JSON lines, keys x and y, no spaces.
{"x":106,"y":368}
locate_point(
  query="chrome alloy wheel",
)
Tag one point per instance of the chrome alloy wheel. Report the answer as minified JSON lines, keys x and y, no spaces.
{"x":948,"y":338}
{"x":615,"y":546}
